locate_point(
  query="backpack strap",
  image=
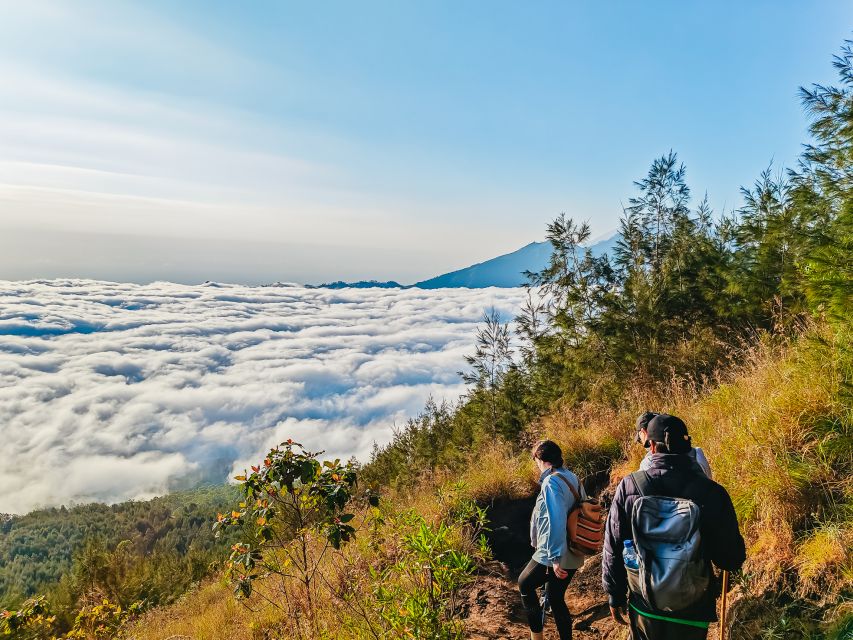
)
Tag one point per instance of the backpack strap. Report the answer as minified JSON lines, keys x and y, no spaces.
{"x":643,"y":482}
{"x":569,"y":485}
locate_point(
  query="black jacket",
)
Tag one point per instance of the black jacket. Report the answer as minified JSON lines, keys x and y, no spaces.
{"x":675,"y":476}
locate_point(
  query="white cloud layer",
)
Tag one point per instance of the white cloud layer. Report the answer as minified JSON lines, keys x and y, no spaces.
{"x":114,"y":391}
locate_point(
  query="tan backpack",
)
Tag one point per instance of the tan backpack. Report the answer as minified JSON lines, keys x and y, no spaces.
{"x":585,"y":524}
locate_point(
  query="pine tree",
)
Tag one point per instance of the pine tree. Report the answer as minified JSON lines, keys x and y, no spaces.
{"x":491,"y":360}
{"x":772,"y":237}
{"x":661,"y":205}
{"x":823,"y":191}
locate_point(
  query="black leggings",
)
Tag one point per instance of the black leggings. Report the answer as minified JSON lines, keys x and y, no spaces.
{"x":533,"y":577}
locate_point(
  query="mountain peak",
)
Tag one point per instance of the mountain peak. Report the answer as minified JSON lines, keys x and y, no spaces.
{"x":506,"y":270}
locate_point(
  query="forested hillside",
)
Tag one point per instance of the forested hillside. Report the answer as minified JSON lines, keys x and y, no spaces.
{"x":738,"y":322}
{"x":162,"y":545}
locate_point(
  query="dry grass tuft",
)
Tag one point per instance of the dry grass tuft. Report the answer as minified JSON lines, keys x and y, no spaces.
{"x":499,"y":472}
{"x":208,"y":613}
{"x":592,"y":436}
{"x":825,"y":559}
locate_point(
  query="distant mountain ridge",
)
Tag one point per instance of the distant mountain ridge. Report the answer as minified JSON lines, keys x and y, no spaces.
{"x":361,"y":284}
{"x":506,"y":271}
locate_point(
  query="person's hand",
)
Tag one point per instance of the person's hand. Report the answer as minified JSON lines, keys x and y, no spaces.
{"x":559,"y":571}
{"x":617,"y":612}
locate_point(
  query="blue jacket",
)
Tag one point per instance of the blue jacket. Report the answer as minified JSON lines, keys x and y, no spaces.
{"x":548,"y":522}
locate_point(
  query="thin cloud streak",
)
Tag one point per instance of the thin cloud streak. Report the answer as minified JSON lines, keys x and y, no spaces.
{"x":132,"y":165}
{"x":114,"y":391}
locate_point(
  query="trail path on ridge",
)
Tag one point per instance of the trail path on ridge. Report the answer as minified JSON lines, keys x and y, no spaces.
{"x":492,"y":606}
{"x":494,"y":611}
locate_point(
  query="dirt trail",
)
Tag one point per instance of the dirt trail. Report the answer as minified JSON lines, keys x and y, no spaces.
{"x":493,"y":608}
{"x":492,"y":605}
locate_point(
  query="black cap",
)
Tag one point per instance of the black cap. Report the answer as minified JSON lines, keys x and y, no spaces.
{"x":642,"y":423}
{"x":644,"y":419}
{"x":671,"y":431}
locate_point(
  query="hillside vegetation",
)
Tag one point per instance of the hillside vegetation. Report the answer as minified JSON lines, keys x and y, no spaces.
{"x":776,"y":427}
{"x":142,"y":550}
{"x":739,"y":323}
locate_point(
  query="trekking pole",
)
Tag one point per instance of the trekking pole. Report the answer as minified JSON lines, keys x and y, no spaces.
{"x":723,"y":605}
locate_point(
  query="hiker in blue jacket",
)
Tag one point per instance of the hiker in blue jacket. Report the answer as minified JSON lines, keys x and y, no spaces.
{"x":553,"y":564}
{"x":672,"y":474}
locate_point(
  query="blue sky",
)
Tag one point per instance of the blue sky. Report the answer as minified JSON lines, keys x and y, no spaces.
{"x":264,"y":141}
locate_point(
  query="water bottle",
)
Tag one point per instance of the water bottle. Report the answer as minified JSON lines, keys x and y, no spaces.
{"x":629,"y":555}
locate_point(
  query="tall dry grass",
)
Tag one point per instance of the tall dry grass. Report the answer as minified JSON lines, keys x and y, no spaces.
{"x":779,"y":434}
{"x":206,"y":613}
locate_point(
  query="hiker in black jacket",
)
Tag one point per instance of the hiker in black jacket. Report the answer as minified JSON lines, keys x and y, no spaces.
{"x":672,"y":474}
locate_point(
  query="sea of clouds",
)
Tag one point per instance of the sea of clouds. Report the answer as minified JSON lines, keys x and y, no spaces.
{"x":115,"y":391}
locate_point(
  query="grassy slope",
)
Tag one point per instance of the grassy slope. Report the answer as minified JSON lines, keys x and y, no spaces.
{"x":777,"y":431}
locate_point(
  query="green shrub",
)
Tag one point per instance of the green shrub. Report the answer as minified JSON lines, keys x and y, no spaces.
{"x":417,"y":596}
{"x":293,"y":511}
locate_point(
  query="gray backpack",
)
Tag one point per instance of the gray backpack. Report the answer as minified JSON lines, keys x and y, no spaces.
{"x":673,"y":573}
